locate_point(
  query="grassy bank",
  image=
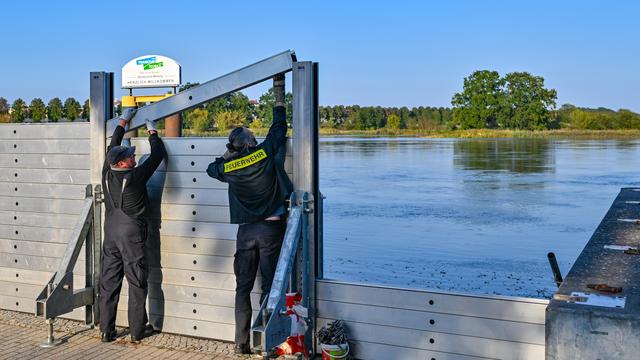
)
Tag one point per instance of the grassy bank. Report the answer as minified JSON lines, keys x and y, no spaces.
{"x":489,"y":133}
{"x":462,"y":134}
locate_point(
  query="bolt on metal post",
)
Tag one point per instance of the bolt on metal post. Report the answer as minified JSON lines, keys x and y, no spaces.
{"x":51,"y":341}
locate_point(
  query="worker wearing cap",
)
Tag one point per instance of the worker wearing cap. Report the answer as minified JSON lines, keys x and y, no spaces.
{"x":125,"y":231}
{"x":258,"y":189}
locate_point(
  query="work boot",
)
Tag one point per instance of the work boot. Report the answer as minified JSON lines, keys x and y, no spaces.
{"x":109,"y":336}
{"x":240,"y":349}
{"x":148,"y":331}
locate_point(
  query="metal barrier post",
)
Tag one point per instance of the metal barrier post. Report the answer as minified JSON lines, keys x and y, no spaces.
{"x":305,"y":177}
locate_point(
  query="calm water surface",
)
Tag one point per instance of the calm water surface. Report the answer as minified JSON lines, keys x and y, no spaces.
{"x":474,"y":216}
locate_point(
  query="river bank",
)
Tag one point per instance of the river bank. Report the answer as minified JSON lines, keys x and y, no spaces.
{"x":489,"y":133}
{"x":457,"y":134}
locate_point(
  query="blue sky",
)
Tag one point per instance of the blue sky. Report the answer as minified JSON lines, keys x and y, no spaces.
{"x":387,"y":53}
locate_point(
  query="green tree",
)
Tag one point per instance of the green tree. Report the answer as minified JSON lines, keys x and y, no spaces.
{"x":517,"y":101}
{"x":18,"y":110}
{"x":353,"y":120}
{"x":198,"y":120}
{"x":480,"y":102}
{"x":72,"y":109}
{"x":86,"y":110}
{"x":227,"y":119}
{"x":54,"y":109}
{"x":528,"y":103}
{"x":237,"y":102}
{"x":626,"y":119}
{"x":4,"y":106}
{"x":4,"y":110}
{"x":38,"y":110}
{"x":265,"y":107}
{"x":393,"y":122}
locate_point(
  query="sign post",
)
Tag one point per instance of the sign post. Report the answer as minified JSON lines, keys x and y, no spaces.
{"x":152,"y":71}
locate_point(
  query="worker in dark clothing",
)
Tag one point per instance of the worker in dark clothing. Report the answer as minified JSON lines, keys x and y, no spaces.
{"x":258,"y":189}
{"x":125,"y":231}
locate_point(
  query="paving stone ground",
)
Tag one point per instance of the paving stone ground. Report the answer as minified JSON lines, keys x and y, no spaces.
{"x":21,"y":334}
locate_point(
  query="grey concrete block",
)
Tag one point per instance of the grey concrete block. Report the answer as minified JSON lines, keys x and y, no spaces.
{"x":579,"y":331}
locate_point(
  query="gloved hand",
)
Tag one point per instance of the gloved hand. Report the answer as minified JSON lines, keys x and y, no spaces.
{"x":228,"y":154}
{"x":127,"y":114}
{"x":151,"y":126}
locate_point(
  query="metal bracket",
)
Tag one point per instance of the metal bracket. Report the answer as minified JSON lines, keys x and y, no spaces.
{"x":271,"y":327}
{"x":58,"y":296}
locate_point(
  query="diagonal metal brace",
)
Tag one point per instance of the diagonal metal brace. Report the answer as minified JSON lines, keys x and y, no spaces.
{"x":225,"y":84}
{"x":272,"y":326}
{"x":58,"y":296}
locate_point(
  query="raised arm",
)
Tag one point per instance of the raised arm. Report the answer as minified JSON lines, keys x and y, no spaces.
{"x":158,"y":152}
{"x":277,"y":136}
{"x":216,"y":170}
{"x":118,"y":133}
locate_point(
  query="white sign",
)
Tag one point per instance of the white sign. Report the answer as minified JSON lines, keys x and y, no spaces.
{"x":151,"y":71}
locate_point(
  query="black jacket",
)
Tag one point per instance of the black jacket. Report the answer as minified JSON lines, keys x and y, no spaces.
{"x":135,"y":199}
{"x":258,"y":183}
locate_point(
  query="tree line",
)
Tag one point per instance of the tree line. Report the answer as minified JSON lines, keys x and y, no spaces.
{"x":36,"y":111}
{"x":518,"y":100}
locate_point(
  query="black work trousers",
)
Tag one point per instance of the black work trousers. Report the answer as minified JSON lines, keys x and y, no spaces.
{"x":123,"y":254}
{"x":257,"y":247}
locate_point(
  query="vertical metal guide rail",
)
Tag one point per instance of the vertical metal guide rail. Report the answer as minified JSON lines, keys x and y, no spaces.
{"x":58,"y":296}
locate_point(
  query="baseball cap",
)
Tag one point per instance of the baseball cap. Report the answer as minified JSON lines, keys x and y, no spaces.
{"x":120,"y":152}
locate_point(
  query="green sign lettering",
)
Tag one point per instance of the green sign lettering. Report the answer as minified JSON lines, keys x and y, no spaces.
{"x":154,"y":65}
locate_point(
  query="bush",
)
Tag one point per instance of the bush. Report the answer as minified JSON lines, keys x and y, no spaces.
{"x":228,"y":119}
{"x":256,"y":124}
{"x":198,"y":120}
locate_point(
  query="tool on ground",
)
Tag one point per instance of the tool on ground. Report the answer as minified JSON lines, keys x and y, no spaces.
{"x":557,"y":275}
{"x":605,"y":288}
{"x":569,"y":298}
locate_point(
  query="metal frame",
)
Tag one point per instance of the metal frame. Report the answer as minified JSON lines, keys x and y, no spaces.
{"x":101,"y":109}
{"x":305,"y":125}
{"x":305,"y":176}
{"x":272,"y":326}
{"x":58,"y":296}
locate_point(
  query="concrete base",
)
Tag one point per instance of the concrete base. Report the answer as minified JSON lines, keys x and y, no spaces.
{"x":578,"y":331}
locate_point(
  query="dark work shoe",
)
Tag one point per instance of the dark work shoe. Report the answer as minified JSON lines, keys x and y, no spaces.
{"x":109,"y":336}
{"x":148,"y":331}
{"x":239,"y":349}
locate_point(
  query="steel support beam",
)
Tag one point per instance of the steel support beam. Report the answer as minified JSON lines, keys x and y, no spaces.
{"x":58,"y":296}
{"x":305,"y":177}
{"x":271,"y":327}
{"x":101,"y":109}
{"x":234,"y":81}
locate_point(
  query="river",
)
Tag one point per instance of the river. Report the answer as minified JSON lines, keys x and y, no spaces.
{"x":466,"y":215}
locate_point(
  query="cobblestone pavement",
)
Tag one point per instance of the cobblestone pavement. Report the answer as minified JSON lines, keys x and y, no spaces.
{"x":21,"y":334}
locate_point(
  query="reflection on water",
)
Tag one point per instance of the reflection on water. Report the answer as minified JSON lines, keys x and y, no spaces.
{"x":466,"y":215}
{"x":521,"y":156}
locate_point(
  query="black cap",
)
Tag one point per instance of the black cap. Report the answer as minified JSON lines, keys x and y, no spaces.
{"x":118,"y":153}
